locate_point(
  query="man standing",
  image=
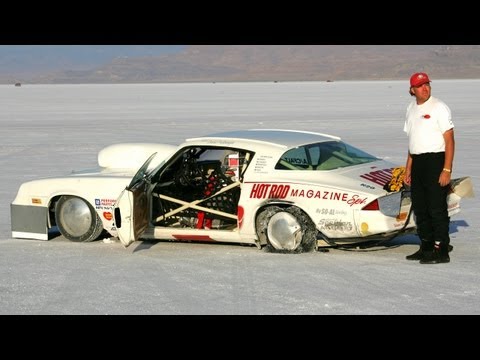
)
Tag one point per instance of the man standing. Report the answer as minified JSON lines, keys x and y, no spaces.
{"x":428,"y":171}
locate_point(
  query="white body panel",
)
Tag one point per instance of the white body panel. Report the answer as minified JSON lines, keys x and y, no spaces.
{"x":100,"y":187}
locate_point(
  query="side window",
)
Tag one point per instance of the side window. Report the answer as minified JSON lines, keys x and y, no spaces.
{"x":327,"y":155}
{"x":295,"y":159}
{"x":314,"y":152}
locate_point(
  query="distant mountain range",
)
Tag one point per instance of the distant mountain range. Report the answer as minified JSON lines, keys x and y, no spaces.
{"x":217,"y":63}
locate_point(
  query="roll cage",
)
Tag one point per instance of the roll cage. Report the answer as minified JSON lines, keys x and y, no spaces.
{"x":199,"y":188}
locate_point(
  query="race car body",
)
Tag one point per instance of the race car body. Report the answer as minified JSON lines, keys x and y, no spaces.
{"x":288,"y":190}
{"x":81,"y":203}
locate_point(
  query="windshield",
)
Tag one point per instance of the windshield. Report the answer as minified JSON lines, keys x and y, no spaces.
{"x":328,"y":155}
{"x":152,"y":163}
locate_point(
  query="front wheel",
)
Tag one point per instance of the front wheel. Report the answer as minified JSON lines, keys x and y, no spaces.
{"x":77,"y":220}
{"x":287,"y":230}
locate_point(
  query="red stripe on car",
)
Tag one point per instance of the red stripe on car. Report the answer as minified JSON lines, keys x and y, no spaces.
{"x":193,"y":237}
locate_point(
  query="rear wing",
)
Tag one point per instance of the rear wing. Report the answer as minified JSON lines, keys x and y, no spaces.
{"x":463,"y":187}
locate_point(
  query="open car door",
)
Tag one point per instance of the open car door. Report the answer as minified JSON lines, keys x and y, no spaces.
{"x":131,"y":213}
{"x":131,"y":207}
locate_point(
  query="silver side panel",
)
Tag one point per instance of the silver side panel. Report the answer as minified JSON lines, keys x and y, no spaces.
{"x":29,"y":222}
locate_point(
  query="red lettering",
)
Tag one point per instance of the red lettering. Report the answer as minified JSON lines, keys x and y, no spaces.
{"x":356,"y":201}
{"x":380,"y":177}
{"x":279,"y":191}
{"x":262,"y":191}
{"x":265,"y":188}
{"x":259,"y":191}
{"x":253,"y":193}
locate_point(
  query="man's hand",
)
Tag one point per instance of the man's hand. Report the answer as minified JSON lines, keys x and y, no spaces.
{"x":444,"y":178}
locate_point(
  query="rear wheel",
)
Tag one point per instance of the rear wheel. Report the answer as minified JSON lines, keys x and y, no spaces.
{"x":77,"y":220}
{"x":287,"y":230}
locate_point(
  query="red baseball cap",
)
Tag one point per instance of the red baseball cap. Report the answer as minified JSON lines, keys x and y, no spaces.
{"x":418,"y":79}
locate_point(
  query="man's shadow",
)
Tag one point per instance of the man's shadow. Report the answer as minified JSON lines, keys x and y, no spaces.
{"x":413,"y":239}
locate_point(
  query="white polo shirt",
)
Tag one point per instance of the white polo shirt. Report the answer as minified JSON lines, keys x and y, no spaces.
{"x":425,"y":125}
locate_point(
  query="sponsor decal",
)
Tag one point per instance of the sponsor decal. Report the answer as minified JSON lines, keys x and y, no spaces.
{"x":379,"y":177}
{"x":36,"y":201}
{"x":269,"y":191}
{"x":335,"y":225}
{"x":367,"y":186}
{"x":356,"y":200}
{"x":296,"y":161}
{"x":281,"y":191}
{"x":108,"y":215}
{"x":104,"y":207}
{"x":233,"y":164}
{"x":233,"y":160}
{"x":326,"y":211}
{"x":105,"y":202}
{"x":364,"y":228}
{"x":260,"y":163}
{"x":402,"y":216}
{"x":220,"y":141}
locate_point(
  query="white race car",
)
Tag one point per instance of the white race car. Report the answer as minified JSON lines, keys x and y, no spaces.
{"x":285,"y":190}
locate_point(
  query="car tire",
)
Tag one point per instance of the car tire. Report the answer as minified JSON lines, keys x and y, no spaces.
{"x":77,"y":220}
{"x":286,"y":230}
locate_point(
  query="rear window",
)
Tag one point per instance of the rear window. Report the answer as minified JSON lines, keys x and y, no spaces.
{"x":323,"y":156}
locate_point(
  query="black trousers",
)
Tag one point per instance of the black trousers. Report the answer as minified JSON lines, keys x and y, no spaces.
{"x":429,"y":199}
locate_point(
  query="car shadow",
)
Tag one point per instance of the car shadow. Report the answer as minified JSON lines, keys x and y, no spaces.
{"x":413,"y":239}
{"x":144,"y":245}
{"x":407,"y":239}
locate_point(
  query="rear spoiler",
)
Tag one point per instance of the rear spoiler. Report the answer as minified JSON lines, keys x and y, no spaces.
{"x":463,"y":187}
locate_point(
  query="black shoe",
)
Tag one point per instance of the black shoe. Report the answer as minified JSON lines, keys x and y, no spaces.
{"x":450,"y":248}
{"x":416,"y":255}
{"x":437,"y":256}
{"x":425,"y":245}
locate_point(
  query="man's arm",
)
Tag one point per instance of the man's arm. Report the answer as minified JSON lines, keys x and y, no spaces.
{"x":408,"y":170}
{"x":445,"y":175}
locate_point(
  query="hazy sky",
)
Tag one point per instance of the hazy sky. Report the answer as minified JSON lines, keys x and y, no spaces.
{"x":18,"y":58}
